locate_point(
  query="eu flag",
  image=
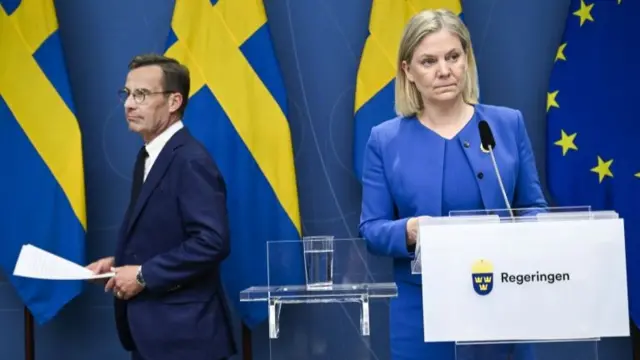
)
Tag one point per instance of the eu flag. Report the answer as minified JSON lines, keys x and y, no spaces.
{"x":592,"y":128}
{"x":237,"y":108}
{"x":42,"y":196}
{"x":374,"y":100}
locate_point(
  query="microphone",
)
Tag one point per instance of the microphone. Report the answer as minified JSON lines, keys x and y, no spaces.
{"x":487,"y":144}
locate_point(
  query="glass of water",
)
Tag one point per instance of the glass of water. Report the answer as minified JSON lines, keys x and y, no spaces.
{"x":318,"y":261}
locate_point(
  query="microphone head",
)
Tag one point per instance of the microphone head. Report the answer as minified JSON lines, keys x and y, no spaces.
{"x":486,"y":136}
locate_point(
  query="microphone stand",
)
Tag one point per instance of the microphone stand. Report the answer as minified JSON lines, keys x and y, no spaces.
{"x":504,"y":193}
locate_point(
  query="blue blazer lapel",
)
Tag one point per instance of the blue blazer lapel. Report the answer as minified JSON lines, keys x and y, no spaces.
{"x":481,"y":164}
{"x":157,"y":172}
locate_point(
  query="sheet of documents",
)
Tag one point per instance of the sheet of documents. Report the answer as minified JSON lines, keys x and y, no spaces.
{"x":36,"y":263}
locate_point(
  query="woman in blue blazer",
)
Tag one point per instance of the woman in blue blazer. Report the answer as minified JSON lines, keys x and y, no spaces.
{"x":428,"y":162}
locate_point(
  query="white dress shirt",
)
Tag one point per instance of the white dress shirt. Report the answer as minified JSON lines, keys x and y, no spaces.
{"x":154,"y":147}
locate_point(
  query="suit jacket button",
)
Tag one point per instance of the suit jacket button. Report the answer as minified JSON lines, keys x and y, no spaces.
{"x":466,"y":144}
{"x":480,"y":175}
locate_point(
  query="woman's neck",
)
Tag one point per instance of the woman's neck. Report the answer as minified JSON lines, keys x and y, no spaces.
{"x":444,"y":114}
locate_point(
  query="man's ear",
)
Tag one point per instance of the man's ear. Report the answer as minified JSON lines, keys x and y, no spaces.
{"x":175,"y":101}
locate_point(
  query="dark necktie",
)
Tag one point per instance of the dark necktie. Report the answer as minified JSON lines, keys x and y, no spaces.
{"x":138,"y":177}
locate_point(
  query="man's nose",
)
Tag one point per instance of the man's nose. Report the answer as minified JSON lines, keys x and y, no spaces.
{"x":129,"y":103}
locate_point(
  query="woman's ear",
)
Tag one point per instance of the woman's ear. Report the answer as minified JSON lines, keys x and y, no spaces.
{"x":407,"y":71}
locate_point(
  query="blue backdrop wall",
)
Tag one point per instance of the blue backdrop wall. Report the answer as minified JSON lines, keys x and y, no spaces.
{"x":318,"y":43}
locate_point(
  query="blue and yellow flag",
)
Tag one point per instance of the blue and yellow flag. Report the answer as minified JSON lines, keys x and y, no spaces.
{"x":592,"y":124}
{"x":374,"y":101}
{"x":42,"y":192}
{"x":237,"y":108}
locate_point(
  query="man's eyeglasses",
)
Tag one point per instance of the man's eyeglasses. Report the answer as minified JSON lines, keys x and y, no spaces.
{"x":138,"y":95}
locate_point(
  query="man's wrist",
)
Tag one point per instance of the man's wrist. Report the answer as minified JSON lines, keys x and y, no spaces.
{"x":140,"y":278}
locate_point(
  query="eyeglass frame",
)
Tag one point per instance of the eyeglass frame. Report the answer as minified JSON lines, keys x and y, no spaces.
{"x":140,"y":92}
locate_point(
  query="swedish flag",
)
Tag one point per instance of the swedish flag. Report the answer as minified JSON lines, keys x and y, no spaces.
{"x":237,"y":108}
{"x":42,"y":196}
{"x":592,"y":125}
{"x":374,"y":102}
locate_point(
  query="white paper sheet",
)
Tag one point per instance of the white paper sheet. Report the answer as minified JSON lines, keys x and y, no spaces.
{"x":36,"y":263}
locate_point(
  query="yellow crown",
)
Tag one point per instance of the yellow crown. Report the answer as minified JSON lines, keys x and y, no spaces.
{"x":482,"y":267}
{"x":482,"y":279}
{"x":483,"y":287}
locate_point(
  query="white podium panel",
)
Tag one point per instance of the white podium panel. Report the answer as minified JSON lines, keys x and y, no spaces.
{"x":564,"y":280}
{"x":550,"y":277}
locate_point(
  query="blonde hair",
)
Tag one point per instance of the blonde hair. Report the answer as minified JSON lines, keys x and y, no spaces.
{"x":408,"y":101}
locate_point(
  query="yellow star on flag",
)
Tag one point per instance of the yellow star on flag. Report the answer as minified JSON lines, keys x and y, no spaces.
{"x":551,"y":100}
{"x":567,"y":142}
{"x":584,"y":12}
{"x":603,"y":169}
{"x":560,"y":53}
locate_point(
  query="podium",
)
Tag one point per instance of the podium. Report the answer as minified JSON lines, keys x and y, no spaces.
{"x":331,"y":288}
{"x":523,"y":279}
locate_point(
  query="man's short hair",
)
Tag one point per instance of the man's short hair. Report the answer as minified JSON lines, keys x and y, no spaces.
{"x":175,"y":75}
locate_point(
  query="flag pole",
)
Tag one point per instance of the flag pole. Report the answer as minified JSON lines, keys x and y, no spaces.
{"x":635,"y":340}
{"x":247,"y":353}
{"x":29,"y":348}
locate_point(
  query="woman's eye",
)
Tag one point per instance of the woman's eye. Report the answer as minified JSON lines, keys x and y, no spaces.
{"x":428,"y":61}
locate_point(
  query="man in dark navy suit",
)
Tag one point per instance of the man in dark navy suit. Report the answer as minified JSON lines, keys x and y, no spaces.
{"x":169,"y":302}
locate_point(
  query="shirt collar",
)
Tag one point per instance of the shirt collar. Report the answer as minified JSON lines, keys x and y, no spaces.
{"x":155,"y":146}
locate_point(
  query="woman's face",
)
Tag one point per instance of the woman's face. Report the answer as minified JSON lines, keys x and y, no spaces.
{"x":438,"y":67}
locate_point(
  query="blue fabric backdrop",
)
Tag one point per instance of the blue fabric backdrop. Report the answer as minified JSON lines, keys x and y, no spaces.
{"x":318,"y":43}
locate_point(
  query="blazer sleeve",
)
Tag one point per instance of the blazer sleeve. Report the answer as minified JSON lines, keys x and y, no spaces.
{"x":528,"y":192}
{"x":383,"y":234}
{"x":202,"y":204}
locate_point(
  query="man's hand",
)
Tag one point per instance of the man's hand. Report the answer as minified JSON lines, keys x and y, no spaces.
{"x":100,"y":267}
{"x":124,"y":283}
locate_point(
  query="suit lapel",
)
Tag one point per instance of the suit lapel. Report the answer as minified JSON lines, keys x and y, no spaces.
{"x":158,"y":170}
{"x":480,"y":162}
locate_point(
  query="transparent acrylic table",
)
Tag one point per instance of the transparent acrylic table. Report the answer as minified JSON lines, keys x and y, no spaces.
{"x":319,"y":270}
{"x":276,"y":296}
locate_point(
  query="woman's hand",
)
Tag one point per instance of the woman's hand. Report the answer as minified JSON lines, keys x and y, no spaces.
{"x":412,"y":232}
{"x":413,"y":226}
